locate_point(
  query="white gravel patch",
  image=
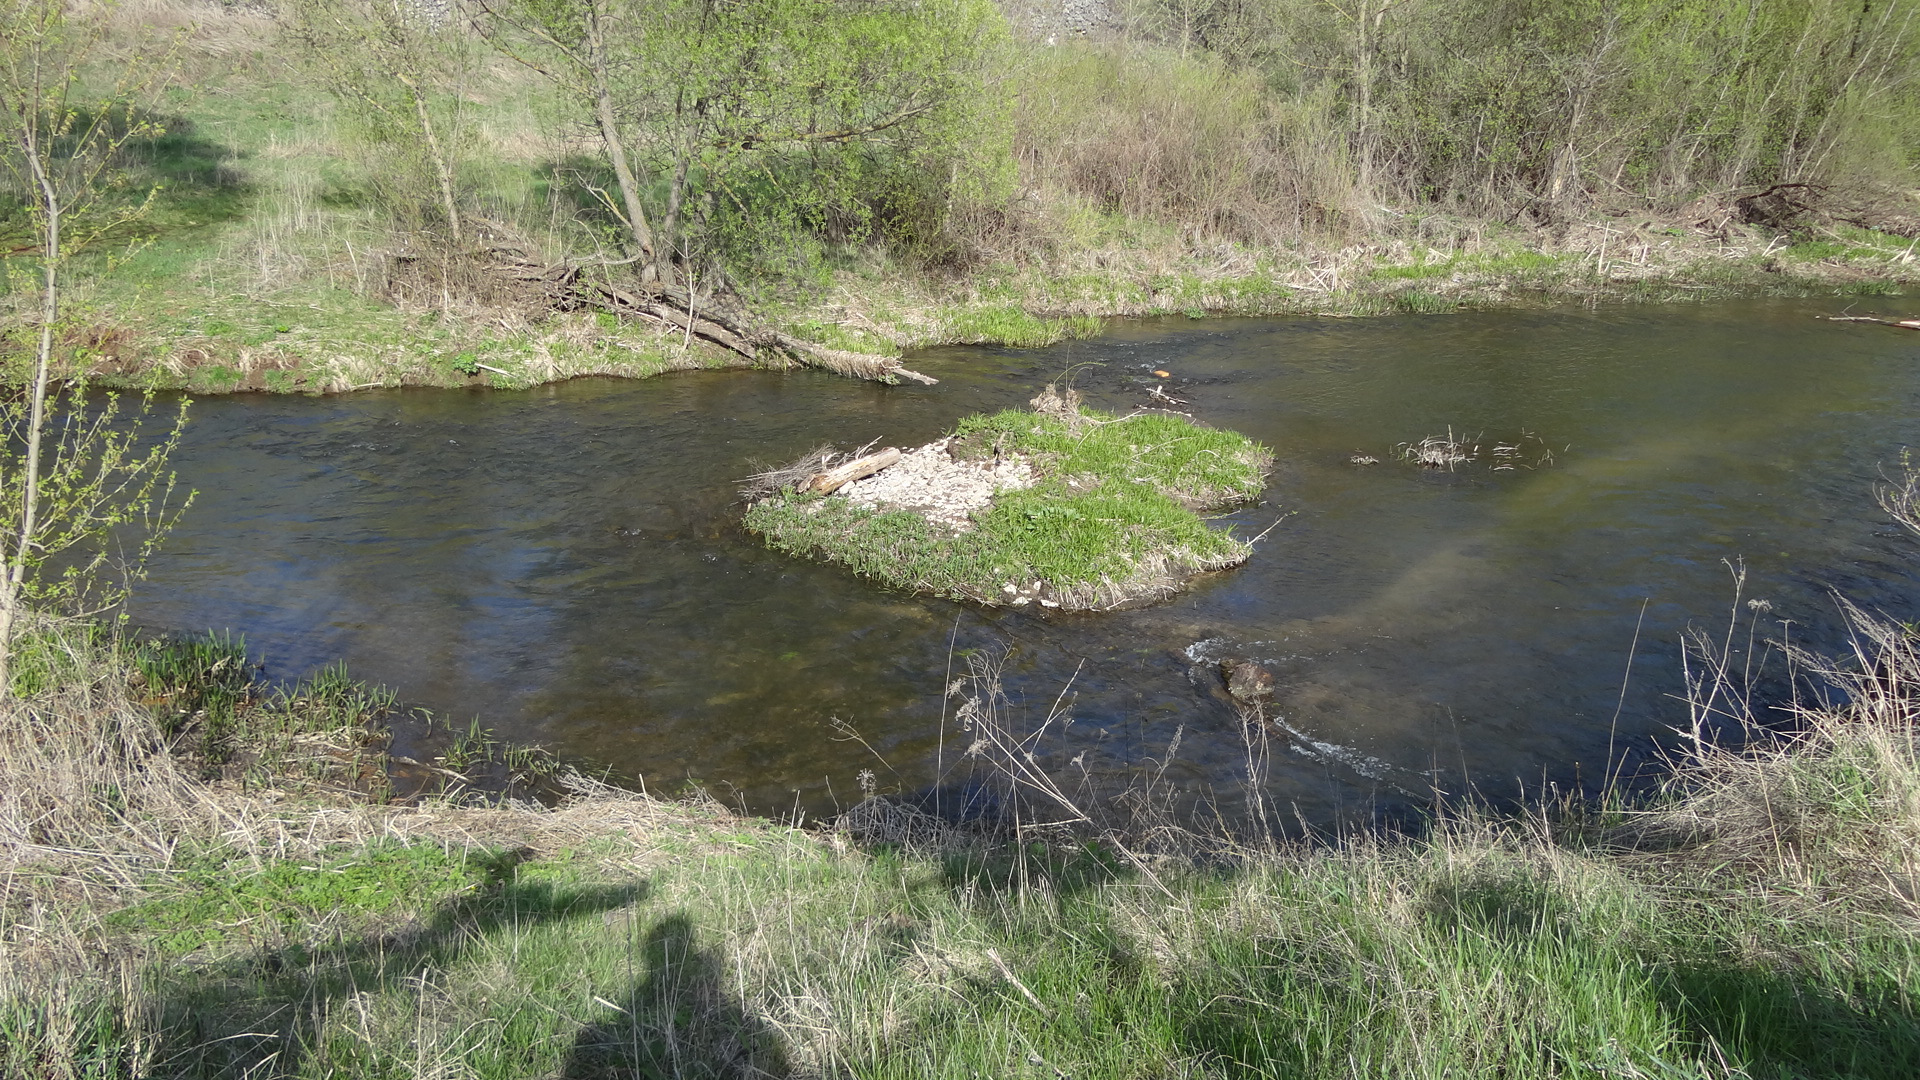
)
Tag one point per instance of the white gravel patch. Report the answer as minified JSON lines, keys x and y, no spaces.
{"x":929,"y":482}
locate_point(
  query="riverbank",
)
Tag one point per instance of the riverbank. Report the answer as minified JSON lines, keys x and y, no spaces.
{"x":263,"y":260}
{"x":307,"y":339}
{"x":200,"y":881}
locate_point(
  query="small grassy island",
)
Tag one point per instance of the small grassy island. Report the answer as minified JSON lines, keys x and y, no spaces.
{"x":1062,"y":506}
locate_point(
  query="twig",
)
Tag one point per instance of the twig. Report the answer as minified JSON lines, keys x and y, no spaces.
{"x":1270,"y":528}
{"x":994,"y":955}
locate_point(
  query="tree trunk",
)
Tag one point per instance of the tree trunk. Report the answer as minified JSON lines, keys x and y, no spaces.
{"x":16,"y":570}
{"x":616,"y":148}
{"x":1363,"y":107}
{"x":676,"y":199}
{"x":443,"y":170}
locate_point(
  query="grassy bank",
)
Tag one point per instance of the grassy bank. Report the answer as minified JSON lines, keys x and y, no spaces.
{"x":267,"y":258}
{"x":177,"y":904}
{"x":1108,"y":516}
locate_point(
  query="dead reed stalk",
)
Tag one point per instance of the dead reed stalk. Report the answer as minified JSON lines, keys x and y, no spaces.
{"x":1819,"y":794}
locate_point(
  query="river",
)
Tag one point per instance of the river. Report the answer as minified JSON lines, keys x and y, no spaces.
{"x":566,"y":564}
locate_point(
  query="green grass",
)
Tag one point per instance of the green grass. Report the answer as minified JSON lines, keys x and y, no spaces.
{"x":1517,"y":266}
{"x":1013,"y":326}
{"x":1417,"y":302}
{"x":1752,"y":919}
{"x":1849,"y":242}
{"x":1477,"y":953}
{"x":1825,"y":249}
{"x":1419,"y":271}
{"x":1111,"y":517}
{"x":202,"y":903}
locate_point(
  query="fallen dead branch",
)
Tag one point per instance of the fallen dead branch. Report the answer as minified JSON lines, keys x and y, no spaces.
{"x":505,"y":276}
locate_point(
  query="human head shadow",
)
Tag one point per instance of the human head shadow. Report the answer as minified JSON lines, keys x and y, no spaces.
{"x":262,"y":1015}
{"x":680,"y":1021}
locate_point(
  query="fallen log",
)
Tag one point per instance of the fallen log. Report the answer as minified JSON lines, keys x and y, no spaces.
{"x":851,"y":364}
{"x":675,"y":308}
{"x":708,"y":327}
{"x":840,"y":476}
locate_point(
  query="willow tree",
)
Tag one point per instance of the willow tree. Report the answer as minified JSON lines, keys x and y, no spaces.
{"x":70,"y":477}
{"x":724,"y":118}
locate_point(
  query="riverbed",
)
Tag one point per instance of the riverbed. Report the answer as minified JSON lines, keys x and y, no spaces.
{"x":565,"y":564}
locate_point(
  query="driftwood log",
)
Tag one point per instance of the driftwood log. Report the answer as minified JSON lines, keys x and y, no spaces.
{"x":840,"y":476}
{"x":505,"y":276}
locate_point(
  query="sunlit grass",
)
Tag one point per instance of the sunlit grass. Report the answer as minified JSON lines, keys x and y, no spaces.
{"x":1483,"y":951}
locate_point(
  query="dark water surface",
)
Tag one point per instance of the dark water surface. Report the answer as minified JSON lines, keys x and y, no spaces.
{"x":566,"y":563}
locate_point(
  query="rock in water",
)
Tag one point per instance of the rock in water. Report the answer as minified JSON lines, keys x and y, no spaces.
{"x":1248,"y":682}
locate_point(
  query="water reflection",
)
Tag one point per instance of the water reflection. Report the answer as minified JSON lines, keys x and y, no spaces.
{"x":566,"y":562}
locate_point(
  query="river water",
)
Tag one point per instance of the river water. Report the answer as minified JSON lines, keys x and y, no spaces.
{"x":566,"y":563}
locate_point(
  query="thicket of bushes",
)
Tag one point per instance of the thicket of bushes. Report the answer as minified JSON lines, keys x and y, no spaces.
{"x":957,"y":133}
{"x":1541,"y":108}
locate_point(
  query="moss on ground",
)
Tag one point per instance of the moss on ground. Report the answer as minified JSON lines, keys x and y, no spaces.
{"x":1112,"y":518}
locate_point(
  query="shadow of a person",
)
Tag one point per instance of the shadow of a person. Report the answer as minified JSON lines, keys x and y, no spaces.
{"x":679,"y":1022}
{"x":272,"y":1008}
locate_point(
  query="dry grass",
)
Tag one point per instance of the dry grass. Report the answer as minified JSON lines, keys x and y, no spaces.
{"x":85,"y":776}
{"x":1447,"y":451}
{"x":1817,"y":798}
{"x":1157,"y":134}
{"x":206,"y":28}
